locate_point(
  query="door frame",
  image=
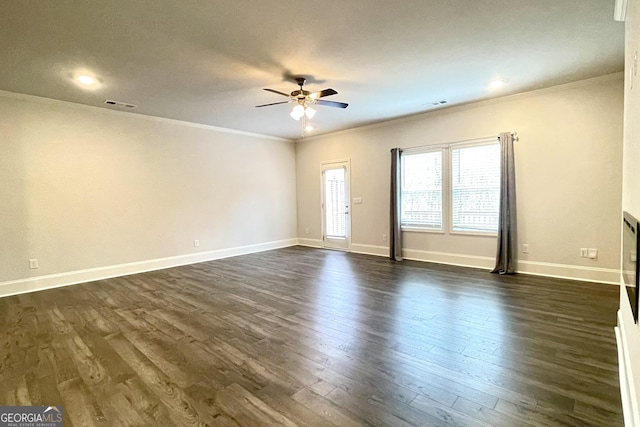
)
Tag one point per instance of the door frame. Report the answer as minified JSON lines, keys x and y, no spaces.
{"x":334,"y":164}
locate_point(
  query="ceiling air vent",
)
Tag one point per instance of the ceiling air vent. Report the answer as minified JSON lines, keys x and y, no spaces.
{"x":120,"y":104}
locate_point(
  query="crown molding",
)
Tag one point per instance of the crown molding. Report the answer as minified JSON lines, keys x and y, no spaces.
{"x":102,"y":110}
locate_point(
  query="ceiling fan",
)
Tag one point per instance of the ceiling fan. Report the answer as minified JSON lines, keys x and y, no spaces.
{"x":303,"y":99}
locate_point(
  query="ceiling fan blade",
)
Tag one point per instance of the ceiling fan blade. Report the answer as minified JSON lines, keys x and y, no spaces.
{"x":278,"y":92}
{"x":273,"y":103}
{"x":326,"y":92}
{"x":332,"y":103}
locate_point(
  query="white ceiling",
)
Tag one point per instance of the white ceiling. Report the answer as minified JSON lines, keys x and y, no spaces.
{"x":207,"y":61}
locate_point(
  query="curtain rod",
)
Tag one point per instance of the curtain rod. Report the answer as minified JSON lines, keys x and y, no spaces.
{"x":464,"y":141}
{"x":515,"y":136}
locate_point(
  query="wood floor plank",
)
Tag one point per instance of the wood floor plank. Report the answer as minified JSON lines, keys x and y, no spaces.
{"x":309,"y":337}
{"x":484,"y":414}
{"x":181,"y":409}
{"x":279,"y":399}
{"x":249,"y":404}
{"x":325,"y":408}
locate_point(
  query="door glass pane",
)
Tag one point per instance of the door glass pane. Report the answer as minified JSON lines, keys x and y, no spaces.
{"x":335,"y":203}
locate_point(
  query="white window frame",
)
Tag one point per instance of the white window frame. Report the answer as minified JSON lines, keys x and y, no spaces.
{"x":447,"y":186}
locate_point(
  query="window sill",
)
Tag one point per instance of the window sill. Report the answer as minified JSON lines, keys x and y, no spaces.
{"x":451,"y":233}
{"x":422,"y":230}
{"x":474,"y":233}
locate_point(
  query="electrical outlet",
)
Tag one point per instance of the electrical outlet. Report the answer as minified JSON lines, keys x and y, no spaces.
{"x":384,"y":237}
{"x":306,"y":231}
{"x":525,"y":248}
{"x":584,"y":253}
{"x":196,"y":243}
{"x":593,"y":253}
{"x":33,"y":263}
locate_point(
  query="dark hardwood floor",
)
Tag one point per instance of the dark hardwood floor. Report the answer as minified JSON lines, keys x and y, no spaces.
{"x":300,"y":336}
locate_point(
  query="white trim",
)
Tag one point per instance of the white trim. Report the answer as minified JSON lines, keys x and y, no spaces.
{"x":628,"y":393}
{"x":369,"y":249}
{"x":21,"y":286}
{"x":422,"y":149}
{"x":416,"y":229}
{"x":449,"y":195}
{"x":328,"y":164}
{"x":105,"y":110}
{"x":572,"y":272}
{"x":461,"y":260}
{"x":493,"y":234}
{"x":356,"y":248}
{"x":620,"y":11}
{"x":626,"y":379}
{"x":311,"y":243}
{"x":469,"y":106}
{"x":465,"y":143}
{"x":478,"y":142}
{"x":534,"y":268}
{"x":328,"y":242}
{"x":446,"y":189}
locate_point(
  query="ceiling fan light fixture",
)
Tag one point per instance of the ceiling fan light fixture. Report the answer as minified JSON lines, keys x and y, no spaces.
{"x":303,"y":99}
{"x":297,"y":112}
{"x":309,"y":112}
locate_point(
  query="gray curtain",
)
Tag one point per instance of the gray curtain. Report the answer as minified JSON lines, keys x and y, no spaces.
{"x":507,"y":227}
{"x":395,"y":234}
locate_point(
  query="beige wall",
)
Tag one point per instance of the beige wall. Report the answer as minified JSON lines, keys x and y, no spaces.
{"x":568,"y":164}
{"x":630,"y":339}
{"x":84,"y":188}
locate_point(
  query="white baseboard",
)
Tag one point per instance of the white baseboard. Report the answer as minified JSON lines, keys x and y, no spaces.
{"x":461,"y":260}
{"x":311,"y":243}
{"x":573,"y":272}
{"x":14,"y":287}
{"x":355,"y":247}
{"x":535,"y":268}
{"x":369,"y":249}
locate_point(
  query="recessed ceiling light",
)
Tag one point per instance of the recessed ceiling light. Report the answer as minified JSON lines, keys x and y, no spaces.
{"x":309,"y":128}
{"x":496,"y":84}
{"x":86,"y":80}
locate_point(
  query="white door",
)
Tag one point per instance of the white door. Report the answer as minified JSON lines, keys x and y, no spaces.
{"x":336,"y":215}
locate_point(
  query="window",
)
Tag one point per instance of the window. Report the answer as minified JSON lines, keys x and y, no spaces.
{"x":475,"y":188}
{"x":422,"y":190}
{"x":456,"y":187}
